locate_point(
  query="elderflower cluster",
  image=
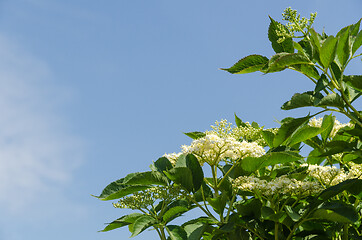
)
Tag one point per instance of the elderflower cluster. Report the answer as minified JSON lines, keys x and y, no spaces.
{"x":317,"y":122}
{"x":295,"y":24}
{"x":212,"y":149}
{"x":144,"y":199}
{"x":279,"y":186}
{"x":245,"y":132}
{"x":326,"y":175}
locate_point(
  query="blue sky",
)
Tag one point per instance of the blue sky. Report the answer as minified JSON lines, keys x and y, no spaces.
{"x":93,"y":90}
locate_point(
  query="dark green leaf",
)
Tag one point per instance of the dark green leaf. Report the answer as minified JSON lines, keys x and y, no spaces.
{"x":305,"y":99}
{"x":249,"y":208}
{"x":280,"y":61}
{"x":176,"y":232}
{"x":141,"y":224}
{"x":328,"y":50}
{"x":294,"y":215}
{"x":354,"y":186}
{"x":336,"y":211}
{"x":251,"y":63}
{"x":182,"y":176}
{"x":163,"y":164}
{"x":331,"y":100}
{"x":197,"y":174}
{"x":122,"y":221}
{"x":145,"y":178}
{"x":117,"y":190}
{"x":321,"y":84}
{"x":251,"y":164}
{"x":286,"y":45}
{"x":354,"y":81}
{"x":307,"y":48}
{"x":307,"y":70}
{"x":195,"y":135}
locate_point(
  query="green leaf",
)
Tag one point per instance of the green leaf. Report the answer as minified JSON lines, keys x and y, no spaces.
{"x":197,"y":174}
{"x":141,"y":224}
{"x":194,"y":231}
{"x":145,"y":178}
{"x":304,"y":133}
{"x":343,"y":50}
{"x":321,"y":84}
{"x":328,"y":50}
{"x":117,"y":190}
{"x":249,"y":208}
{"x":122,"y":221}
{"x":353,"y":186}
{"x":336,"y":211}
{"x":239,"y":122}
{"x":249,"y":64}
{"x":307,"y":70}
{"x":182,"y":176}
{"x":195,"y":135}
{"x":306,"y":48}
{"x":299,"y":100}
{"x":218,"y":203}
{"x":163,"y":164}
{"x":176,"y":232}
{"x":294,"y":215}
{"x":357,"y":42}
{"x":314,"y":157}
{"x":327,"y":125}
{"x":354,"y":81}
{"x":286,"y":45}
{"x":280,"y":61}
{"x":288,"y":128}
{"x":331,"y":100}
{"x":174,"y":212}
{"x":268,"y":137}
{"x":251,"y":164}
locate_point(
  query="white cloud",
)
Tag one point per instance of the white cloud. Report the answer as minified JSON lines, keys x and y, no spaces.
{"x":37,"y":154}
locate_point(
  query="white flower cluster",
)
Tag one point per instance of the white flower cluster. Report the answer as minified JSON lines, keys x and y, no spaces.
{"x":212,"y":149}
{"x":329,"y":176}
{"x":317,"y":122}
{"x":281,"y":185}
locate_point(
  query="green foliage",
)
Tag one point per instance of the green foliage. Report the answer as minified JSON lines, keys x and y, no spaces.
{"x":253,"y":183}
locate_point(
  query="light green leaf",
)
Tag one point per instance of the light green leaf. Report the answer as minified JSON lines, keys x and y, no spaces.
{"x":251,"y":63}
{"x":304,"y":133}
{"x":239,"y":122}
{"x":194,"y":231}
{"x":141,"y":224}
{"x":122,"y":221}
{"x":195,"y":135}
{"x":268,"y":137}
{"x":357,"y":41}
{"x":251,"y":164}
{"x":218,"y":203}
{"x":176,"y":232}
{"x":327,"y":125}
{"x":288,"y":128}
{"x":328,"y":51}
{"x":280,"y":61}
{"x":343,"y":50}
{"x":174,"y":212}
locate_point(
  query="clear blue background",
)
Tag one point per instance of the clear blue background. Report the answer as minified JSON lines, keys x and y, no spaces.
{"x":93,"y":90}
